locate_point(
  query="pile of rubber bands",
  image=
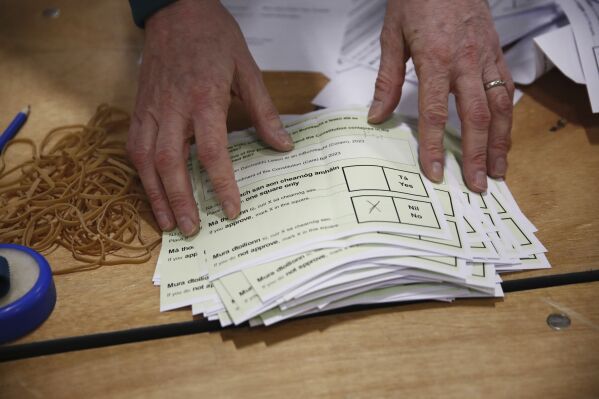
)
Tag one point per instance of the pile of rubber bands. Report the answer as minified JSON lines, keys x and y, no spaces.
{"x":77,"y":191}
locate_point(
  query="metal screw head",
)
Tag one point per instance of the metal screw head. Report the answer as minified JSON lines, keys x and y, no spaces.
{"x":51,"y":12}
{"x":558,"y":321}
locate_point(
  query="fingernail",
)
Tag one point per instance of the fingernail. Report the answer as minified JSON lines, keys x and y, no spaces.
{"x":437,"y":171}
{"x":187,"y":226}
{"x":500,"y":166}
{"x":375,"y":109}
{"x":285,"y":139}
{"x":164,"y":221}
{"x":480,"y":180}
{"x":230,"y":210}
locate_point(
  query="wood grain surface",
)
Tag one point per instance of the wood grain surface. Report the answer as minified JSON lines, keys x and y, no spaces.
{"x":473,"y":349}
{"x":554,"y":172}
{"x":66,"y":66}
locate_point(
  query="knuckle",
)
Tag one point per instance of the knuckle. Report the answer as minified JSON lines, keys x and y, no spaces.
{"x":154,"y":195}
{"x":214,"y":106}
{"x":138,"y":155}
{"x":171,"y":105}
{"x":269,"y":114}
{"x":478,"y":113}
{"x":477,"y":157}
{"x":165,"y":158}
{"x":442,"y":55}
{"x":435,"y":114}
{"x":383,"y":83}
{"x":502,"y":105}
{"x":178,"y":200}
{"x":209,"y":151}
{"x":222,"y":184}
{"x":436,"y":56}
{"x":501,"y":143}
{"x":470,"y":46}
{"x":206,"y":93}
{"x":430,"y":47}
{"x":431,"y":146}
{"x":471,"y":50}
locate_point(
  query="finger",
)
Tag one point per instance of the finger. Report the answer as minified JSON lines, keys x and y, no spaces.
{"x":391,"y":75}
{"x":141,"y":143}
{"x":264,"y":115}
{"x":433,"y":93}
{"x":506,"y":75}
{"x":210,"y":127}
{"x":501,"y":107}
{"x":476,"y":118}
{"x":170,"y":159}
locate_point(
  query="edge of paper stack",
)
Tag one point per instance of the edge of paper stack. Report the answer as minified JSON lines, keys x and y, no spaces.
{"x":344,"y":219}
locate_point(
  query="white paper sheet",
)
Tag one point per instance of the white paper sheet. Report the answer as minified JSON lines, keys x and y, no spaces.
{"x":286,"y":35}
{"x":560,"y":47}
{"x":501,"y":8}
{"x":361,"y":38}
{"x":513,"y":27}
{"x":584,"y":19}
{"x":526,"y":61}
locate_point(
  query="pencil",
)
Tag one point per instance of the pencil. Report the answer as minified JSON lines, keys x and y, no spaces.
{"x":14,"y":126}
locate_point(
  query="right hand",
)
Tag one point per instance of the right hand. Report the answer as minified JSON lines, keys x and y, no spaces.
{"x":194,"y":57}
{"x":455,"y":48}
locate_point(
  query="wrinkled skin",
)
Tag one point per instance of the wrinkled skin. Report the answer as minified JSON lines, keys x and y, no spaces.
{"x":455,"y":49}
{"x":195,"y":58}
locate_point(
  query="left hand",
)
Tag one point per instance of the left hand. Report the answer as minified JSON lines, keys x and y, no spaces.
{"x":455,"y":49}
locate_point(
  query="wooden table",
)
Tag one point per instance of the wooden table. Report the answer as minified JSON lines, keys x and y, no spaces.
{"x":64,"y":67}
{"x":473,"y":349}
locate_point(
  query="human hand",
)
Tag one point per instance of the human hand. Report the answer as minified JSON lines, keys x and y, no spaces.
{"x":194,"y":57}
{"x":455,"y":49}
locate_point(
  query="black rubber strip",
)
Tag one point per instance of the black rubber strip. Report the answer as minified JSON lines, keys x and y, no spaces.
{"x":61,"y":345}
{"x":534,"y":283}
{"x":91,"y":341}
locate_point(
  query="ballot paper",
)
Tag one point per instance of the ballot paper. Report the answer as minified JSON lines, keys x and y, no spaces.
{"x":584,"y":20}
{"x":559,"y":47}
{"x":356,"y":87}
{"x":346,"y":218}
{"x":345,"y":177}
{"x":526,"y":61}
{"x":287,"y":35}
{"x":515,"y":26}
{"x":362,"y":34}
{"x":502,"y":8}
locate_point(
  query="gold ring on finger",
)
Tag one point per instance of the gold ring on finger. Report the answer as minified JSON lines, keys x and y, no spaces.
{"x":494,"y":83}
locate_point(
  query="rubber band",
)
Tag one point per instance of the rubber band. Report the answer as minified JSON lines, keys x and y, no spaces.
{"x":77,"y":191}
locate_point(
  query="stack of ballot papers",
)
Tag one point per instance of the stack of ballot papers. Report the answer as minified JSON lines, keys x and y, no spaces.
{"x":346,"y":218}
